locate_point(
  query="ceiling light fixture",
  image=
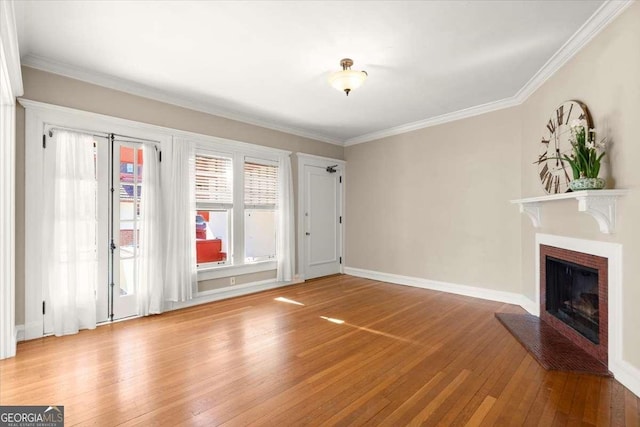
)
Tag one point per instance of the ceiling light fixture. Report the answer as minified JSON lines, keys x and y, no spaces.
{"x":347,"y":79}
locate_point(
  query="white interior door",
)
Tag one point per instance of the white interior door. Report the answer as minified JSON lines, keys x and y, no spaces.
{"x":322,"y":218}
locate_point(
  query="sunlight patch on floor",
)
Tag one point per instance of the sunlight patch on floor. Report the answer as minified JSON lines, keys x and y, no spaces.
{"x":287,"y":300}
{"x":331,"y":319}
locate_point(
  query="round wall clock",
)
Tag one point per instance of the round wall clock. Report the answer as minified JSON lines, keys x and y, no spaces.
{"x":555,"y":173}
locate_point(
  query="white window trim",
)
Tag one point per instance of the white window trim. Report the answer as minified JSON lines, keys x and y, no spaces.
{"x":240,"y":153}
{"x":10,"y":87}
{"x":37,"y":115}
{"x":208,"y":273}
{"x":230,"y":261}
{"x":273,"y":207}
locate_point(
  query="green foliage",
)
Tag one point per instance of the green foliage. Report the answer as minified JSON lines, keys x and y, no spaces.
{"x":584,"y":160}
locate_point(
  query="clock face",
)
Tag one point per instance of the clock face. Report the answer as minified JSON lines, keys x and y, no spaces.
{"x":555,"y":173}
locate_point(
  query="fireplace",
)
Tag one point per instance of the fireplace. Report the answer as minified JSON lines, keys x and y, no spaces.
{"x":574,"y":297}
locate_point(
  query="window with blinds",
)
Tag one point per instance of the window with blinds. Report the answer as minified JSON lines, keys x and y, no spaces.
{"x":260,"y":199}
{"x":214,"y":204}
{"x":260,"y":185}
{"x":214,"y":180}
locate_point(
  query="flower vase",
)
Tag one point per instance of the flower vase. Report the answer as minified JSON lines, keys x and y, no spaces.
{"x":583,"y":183}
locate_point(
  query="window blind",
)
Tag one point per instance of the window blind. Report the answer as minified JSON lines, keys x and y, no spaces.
{"x":214,"y":182}
{"x":260,"y":184}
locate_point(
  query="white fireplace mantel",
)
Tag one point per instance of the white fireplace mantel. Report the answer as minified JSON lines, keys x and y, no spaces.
{"x":600,"y":204}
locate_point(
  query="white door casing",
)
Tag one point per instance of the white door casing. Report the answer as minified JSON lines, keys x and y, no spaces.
{"x":124,"y":303}
{"x":320,"y":215}
{"x":37,"y":117}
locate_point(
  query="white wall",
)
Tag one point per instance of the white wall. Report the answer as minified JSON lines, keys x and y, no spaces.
{"x":434,"y":203}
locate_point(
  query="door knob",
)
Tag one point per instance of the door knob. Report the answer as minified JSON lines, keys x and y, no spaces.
{"x":307,"y":233}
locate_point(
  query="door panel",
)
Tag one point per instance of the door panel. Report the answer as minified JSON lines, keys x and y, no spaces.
{"x":323,"y":211}
{"x":126,"y":219}
{"x":322,"y":221}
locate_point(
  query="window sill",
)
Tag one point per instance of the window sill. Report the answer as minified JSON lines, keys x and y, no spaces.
{"x":235,"y":270}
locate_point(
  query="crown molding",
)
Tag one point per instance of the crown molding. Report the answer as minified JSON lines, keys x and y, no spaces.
{"x":123,"y":85}
{"x":9,"y":46}
{"x":433,"y":121}
{"x":605,"y":14}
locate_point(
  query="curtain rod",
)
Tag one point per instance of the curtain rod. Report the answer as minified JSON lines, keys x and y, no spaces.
{"x":135,"y":140}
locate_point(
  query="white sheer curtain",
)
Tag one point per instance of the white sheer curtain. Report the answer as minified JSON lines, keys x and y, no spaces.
{"x":180,"y":255}
{"x":71,"y":258}
{"x":150,"y":280}
{"x":285,"y":243}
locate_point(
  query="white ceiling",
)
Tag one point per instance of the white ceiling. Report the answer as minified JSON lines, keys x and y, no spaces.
{"x":267,"y":62}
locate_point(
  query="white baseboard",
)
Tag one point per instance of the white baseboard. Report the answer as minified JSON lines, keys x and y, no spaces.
{"x":33,"y":330}
{"x":229,"y":292}
{"x":19,"y":333}
{"x":469,"y":291}
{"x":531,"y":306}
{"x":627,"y":374}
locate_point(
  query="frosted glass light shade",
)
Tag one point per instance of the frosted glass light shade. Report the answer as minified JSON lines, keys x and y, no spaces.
{"x":347,"y":80}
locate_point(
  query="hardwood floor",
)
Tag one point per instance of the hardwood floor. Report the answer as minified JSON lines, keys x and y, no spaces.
{"x":402,"y":356}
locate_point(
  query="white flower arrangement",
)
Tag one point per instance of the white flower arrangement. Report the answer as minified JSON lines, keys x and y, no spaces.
{"x":585,"y":158}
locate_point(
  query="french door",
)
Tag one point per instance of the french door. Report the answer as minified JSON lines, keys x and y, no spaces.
{"x":124,"y":236}
{"x":118,"y":188}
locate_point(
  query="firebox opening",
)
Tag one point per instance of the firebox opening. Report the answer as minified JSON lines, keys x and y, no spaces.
{"x":572,"y":296}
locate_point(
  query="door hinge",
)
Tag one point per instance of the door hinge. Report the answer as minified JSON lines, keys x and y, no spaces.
{"x":340,"y":260}
{"x":160,"y":156}
{"x":43,"y":307}
{"x":340,"y":179}
{"x":44,"y":141}
{"x":340,"y":220}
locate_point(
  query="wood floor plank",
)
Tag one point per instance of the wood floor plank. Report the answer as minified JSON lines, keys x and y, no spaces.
{"x":631,"y":409}
{"x":401,"y":356}
{"x":411,"y":402}
{"x":590,"y":414}
{"x":478,"y":416}
{"x":542,"y":410}
{"x":617,"y":404}
{"x":524,"y":396}
{"x":504,"y":396}
{"x":440,"y":398}
{"x":564,"y":404}
{"x":495,"y":370}
{"x":604,"y":404}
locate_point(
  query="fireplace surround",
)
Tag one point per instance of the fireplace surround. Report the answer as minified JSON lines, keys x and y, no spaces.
{"x":574,"y":297}
{"x":589,"y":251}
